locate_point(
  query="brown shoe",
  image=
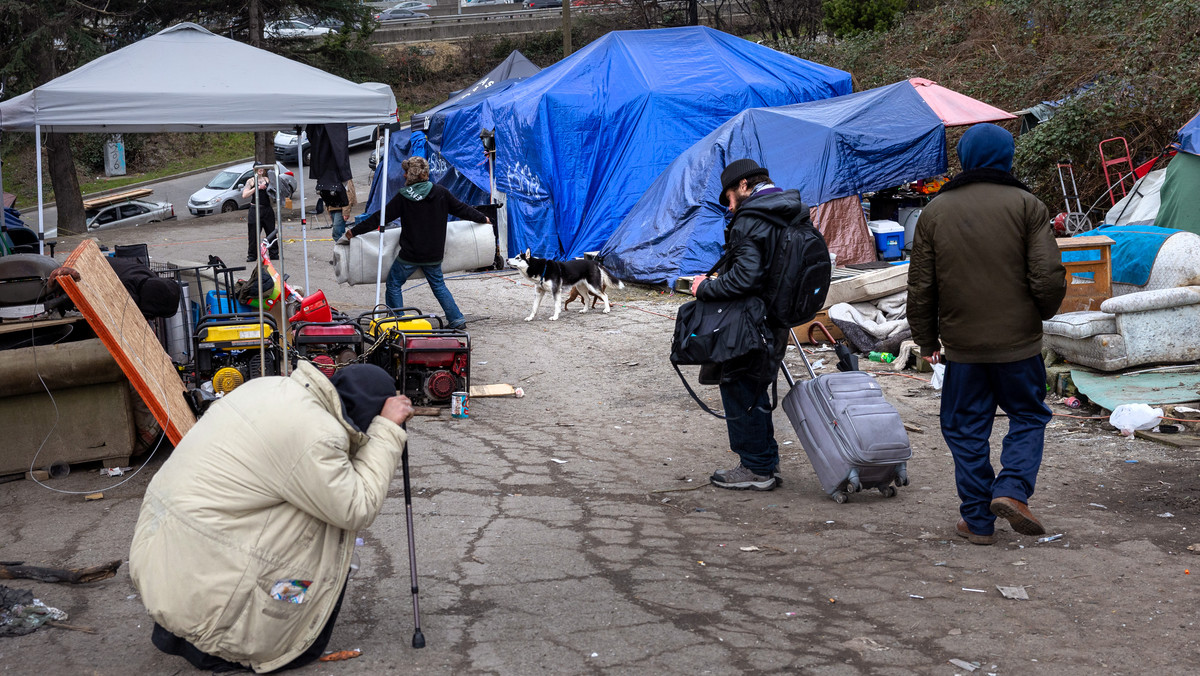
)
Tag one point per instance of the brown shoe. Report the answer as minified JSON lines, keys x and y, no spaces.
{"x":1019,"y":517}
{"x":964,"y":531}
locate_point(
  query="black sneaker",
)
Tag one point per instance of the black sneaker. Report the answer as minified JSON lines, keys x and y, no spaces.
{"x":741,"y":479}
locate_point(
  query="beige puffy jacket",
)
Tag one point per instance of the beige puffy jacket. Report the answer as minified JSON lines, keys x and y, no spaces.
{"x":271,"y":485}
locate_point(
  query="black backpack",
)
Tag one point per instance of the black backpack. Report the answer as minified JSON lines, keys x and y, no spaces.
{"x":798,"y":278}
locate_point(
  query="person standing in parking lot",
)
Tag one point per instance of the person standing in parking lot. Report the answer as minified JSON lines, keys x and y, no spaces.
{"x":260,"y":188}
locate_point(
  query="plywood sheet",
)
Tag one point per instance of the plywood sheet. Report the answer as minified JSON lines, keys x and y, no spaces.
{"x":112,"y":314}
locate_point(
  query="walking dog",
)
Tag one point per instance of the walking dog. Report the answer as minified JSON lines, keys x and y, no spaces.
{"x":555,"y":277}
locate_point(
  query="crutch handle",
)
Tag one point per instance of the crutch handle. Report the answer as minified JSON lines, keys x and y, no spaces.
{"x":828,"y":335}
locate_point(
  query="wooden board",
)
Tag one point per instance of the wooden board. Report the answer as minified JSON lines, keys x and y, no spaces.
{"x":98,"y":202}
{"x":112,"y":314}
{"x":499,"y":390}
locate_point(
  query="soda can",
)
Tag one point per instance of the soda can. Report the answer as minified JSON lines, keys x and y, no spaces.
{"x":460,"y":405}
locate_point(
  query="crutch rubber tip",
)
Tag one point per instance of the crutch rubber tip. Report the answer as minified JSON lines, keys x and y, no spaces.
{"x":418,"y":639}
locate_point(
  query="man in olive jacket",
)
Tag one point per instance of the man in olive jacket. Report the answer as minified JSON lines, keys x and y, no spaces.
{"x":243,"y":544}
{"x":984,"y":272}
{"x":759,"y":211}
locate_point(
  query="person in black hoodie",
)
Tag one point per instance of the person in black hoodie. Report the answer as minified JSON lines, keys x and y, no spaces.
{"x":751,"y":237}
{"x":423,"y":208}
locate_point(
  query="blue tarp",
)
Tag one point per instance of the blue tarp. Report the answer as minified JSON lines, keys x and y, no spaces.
{"x":1133,"y":252}
{"x":441,"y":137}
{"x":826,"y":149}
{"x":1189,"y":136}
{"x":578,"y":143}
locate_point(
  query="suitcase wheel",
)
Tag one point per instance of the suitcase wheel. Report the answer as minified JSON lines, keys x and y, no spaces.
{"x":888,"y":491}
{"x":839,"y":497}
{"x":902,"y":475}
{"x":853,"y":483}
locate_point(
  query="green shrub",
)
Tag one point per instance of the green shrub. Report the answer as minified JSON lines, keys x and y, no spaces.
{"x":846,"y":18}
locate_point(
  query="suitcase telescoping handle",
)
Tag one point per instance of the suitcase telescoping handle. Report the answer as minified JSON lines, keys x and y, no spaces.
{"x":788,"y":374}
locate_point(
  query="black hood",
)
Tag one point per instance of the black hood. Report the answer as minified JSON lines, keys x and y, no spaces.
{"x":363,"y":388}
{"x":785,"y":206}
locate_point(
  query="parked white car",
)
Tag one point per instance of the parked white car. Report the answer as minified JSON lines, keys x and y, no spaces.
{"x":130,"y":212}
{"x":292,"y":28}
{"x":413,"y":5}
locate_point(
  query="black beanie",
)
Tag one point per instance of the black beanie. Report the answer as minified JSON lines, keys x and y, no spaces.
{"x":363,"y":389}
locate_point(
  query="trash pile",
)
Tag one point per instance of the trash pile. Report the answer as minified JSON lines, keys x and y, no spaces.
{"x":21,"y":614}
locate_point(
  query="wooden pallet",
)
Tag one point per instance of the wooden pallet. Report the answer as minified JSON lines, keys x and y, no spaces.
{"x":102,"y":299}
{"x":97,"y":202}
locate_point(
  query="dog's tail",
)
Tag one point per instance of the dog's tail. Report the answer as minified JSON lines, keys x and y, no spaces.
{"x":609,"y":278}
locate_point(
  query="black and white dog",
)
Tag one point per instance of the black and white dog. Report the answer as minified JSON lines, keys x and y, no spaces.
{"x":555,"y":277}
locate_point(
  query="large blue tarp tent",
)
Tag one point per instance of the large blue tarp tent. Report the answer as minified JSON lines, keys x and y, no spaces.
{"x":467,"y":149}
{"x":826,"y":149}
{"x":578,"y":143}
{"x":1188,"y":139}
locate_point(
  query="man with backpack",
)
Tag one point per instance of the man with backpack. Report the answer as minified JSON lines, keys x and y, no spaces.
{"x":752,"y":240}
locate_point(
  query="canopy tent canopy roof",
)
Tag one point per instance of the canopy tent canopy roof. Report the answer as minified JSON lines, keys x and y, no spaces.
{"x":578,"y":143}
{"x":826,"y":149}
{"x":185,"y":78}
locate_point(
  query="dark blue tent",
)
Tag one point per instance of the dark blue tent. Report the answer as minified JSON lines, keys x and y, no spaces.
{"x":826,"y":149}
{"x":438,"y":144}
{"x":578,"y":143}
{"x":1189,"y":136}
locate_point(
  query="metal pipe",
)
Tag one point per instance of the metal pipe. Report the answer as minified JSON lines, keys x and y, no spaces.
{"x":387,"y":150}
{"x":262,"y":334}
{"x":303,"y":213}
{"x":37,"y":144}
{"x":283,"y":297}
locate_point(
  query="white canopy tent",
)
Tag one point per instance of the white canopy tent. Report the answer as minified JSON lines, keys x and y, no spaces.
{"x":187,"y":79}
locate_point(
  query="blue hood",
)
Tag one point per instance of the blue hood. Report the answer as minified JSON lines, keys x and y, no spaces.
{"x":986,"y":146}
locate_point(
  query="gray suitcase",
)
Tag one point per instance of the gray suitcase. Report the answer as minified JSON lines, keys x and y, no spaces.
{"x":854,"y":438}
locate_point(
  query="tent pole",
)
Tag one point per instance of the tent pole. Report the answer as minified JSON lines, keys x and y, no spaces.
{"x":37,"y":136}
{"x":303,"y":213}
{"x":258,"y":268}
{"x":387,"y":150}
{"x":283,"y":313}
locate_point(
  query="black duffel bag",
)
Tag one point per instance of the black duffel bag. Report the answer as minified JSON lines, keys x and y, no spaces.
{"x":711,"y":333}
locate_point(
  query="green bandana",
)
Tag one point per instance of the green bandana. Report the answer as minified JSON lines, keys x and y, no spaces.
{"x":417,"y":191}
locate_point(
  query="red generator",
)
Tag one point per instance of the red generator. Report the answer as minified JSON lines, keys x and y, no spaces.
{"x":328,"y":345}
{"x":429,"y":362}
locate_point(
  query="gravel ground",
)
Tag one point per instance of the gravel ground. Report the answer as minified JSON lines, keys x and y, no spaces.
{"x":623,"y":560}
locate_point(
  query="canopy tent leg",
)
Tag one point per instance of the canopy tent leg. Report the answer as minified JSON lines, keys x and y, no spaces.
{"x":283,"y":296}
{"x":37,"y":144}
{"x":387,"y":150}
{"x":303,"y":213}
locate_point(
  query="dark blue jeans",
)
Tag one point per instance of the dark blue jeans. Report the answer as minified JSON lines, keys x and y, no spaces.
{"x":751,"y":432}
{"x":970,"y":395}
{"x":400,"y":273}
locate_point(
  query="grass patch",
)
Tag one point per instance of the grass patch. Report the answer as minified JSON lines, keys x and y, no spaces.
{"x":157,"y":156}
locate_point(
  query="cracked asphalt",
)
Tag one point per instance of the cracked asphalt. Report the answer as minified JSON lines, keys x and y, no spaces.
{"x":622,"y":560}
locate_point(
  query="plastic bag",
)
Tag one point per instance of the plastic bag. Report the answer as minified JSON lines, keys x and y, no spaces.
{"x":939,"y":373}
{"x":1129,"y":418}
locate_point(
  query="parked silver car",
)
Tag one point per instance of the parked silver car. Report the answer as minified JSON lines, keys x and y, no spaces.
{"x":223,"y":193}
{"x":129,"y":212}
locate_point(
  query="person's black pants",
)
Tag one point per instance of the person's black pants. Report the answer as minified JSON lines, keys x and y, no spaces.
{"x":268,"y":232}
{"x":173,"y":645}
